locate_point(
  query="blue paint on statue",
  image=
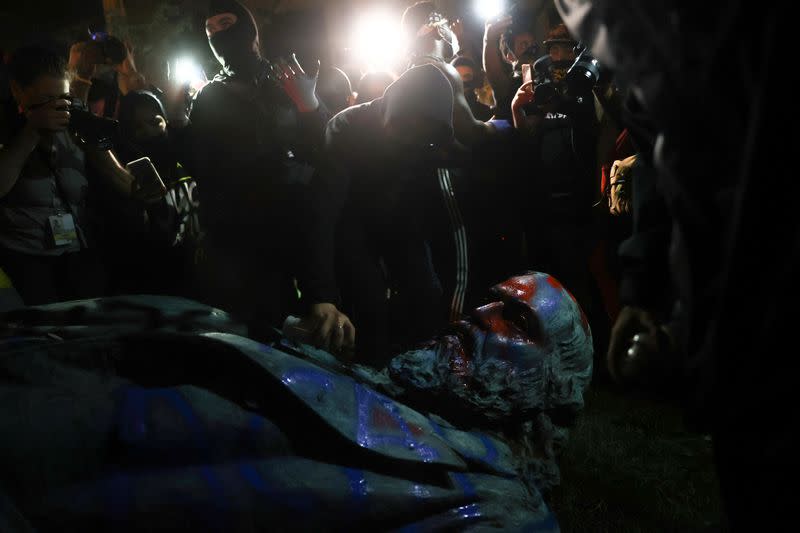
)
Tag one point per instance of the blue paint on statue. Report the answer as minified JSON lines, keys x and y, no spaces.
{"x":371,"y":403}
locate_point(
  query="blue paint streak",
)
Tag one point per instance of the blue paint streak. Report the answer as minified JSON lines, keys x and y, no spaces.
{"x":256,"y":425}
{"x":469,"y":511}
{"x":214,"y":519}
{"x":358,"y":485}
{"x":133,"y":425}
{"x":278,"y":496}
{"x":548,"y":299}
{"x":307,"y":375}
{"x":466,"y":485}
{"x":491,"y":449}
{"x":254,"y":479}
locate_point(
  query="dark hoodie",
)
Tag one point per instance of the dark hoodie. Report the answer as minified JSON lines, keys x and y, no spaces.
{"x":384,"y":172}
{"x":383,"y":156}
{"x":415,"y":112}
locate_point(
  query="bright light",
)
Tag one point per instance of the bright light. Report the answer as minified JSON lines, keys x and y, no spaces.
{"x":488,"y":9}
{"x":188,"y":71}
{"x":377,"y":40}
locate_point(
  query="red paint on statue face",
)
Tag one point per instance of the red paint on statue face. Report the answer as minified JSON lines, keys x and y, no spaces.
{"x":514,"y":330}
{"x":491,"y":318}
{"x":521,"y":288}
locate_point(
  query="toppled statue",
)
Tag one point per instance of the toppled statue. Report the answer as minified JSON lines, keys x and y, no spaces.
{"x":155,"y":413}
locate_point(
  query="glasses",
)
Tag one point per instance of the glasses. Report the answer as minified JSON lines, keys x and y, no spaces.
{"x":68,"y":97}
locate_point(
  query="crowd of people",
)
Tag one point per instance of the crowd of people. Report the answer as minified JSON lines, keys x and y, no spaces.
{"x":363,"y":216}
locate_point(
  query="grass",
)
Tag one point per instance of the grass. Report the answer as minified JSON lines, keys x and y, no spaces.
{"x":631,"y":466}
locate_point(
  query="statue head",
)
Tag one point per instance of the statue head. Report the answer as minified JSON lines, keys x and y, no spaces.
{"x":527,"y":351}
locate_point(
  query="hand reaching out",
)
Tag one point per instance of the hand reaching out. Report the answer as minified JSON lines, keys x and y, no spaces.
{"x":327,"y":328}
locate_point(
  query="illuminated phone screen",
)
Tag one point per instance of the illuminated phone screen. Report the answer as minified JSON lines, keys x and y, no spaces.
{"x":526,"y":73}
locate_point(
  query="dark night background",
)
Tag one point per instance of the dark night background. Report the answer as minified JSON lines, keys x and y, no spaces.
{"x":630,"y":464}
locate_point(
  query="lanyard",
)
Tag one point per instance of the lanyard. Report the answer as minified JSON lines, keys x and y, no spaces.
{"x":62,"y":197}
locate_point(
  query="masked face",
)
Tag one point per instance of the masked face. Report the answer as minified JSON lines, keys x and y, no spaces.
{"x":218,"y":23}
{"x":233,"y":37}
{"x":529,"y":350}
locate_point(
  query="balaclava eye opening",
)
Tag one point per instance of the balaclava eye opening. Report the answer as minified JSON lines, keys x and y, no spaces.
{"x":236,"y":47}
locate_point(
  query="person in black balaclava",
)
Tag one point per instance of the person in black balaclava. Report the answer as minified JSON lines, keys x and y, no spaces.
{"x":255,"y":133}
{"x":386,"y":150}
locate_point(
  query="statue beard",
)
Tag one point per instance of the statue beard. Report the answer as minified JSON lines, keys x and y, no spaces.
{"x":455,"y":350}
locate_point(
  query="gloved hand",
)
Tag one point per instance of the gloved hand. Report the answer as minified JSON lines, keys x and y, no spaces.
{"x":300,"y":87}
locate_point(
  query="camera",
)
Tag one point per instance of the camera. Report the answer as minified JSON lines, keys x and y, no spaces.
{"x":554,"y":80}
{"x":547,"y":81}
{"x":98,"y":132}
{"x":584,"y":74}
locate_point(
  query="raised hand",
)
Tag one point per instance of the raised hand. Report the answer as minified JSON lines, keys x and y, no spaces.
{"x":525,"y":95}
{"x":495,"y":27}
{"x":299,"y":86}
{"x":83,"y":60}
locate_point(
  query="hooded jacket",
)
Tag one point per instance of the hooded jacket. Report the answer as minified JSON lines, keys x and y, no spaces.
{"x":380,"y":176}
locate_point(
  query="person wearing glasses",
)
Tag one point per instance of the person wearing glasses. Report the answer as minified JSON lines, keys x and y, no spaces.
{"x":46,"y":242}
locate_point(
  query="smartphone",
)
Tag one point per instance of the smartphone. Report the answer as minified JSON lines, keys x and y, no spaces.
{"x":150,"y":183}
{"x":527,"y":73}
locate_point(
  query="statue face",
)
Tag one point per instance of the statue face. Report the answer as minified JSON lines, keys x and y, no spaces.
{"x":528,"y":350}
{"x":524,"y":324}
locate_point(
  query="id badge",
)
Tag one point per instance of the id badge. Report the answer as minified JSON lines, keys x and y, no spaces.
{"x":62,"y":228}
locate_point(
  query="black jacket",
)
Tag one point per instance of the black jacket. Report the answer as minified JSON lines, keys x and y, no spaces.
{"x":254,"y":158}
